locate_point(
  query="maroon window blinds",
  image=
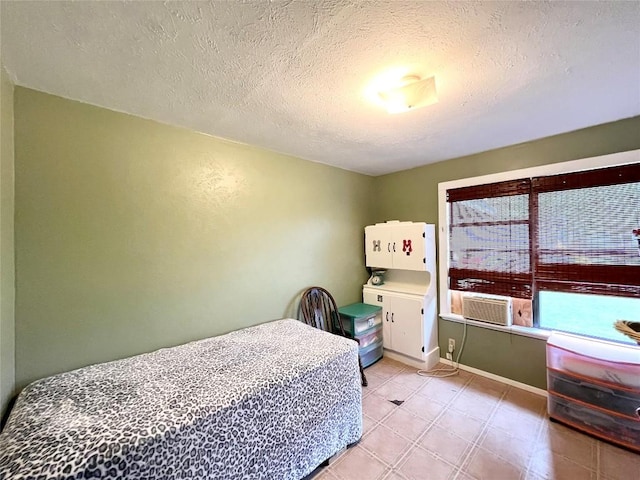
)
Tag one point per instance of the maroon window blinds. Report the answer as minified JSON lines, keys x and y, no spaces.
{"x":571,"y":232}
{"x":584,"y":231}
{"x":489,"y":239}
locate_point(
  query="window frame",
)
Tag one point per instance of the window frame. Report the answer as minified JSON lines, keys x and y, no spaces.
{"x":571,"y":166}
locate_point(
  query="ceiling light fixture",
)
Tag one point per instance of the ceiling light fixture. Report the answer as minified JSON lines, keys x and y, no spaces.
{"x":410,"y":94}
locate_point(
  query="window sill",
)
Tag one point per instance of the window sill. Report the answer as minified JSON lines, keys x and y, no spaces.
{"x":538,"y":333}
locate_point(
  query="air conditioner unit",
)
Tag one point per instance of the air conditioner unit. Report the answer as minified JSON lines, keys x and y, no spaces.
{"x":487,"y":309}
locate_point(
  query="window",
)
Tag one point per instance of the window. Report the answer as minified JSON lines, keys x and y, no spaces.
{"x":489,"y":234}
{"x":559,"y":244}
{"x":584,"y":231}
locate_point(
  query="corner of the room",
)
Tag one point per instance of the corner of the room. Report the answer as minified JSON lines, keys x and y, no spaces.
{"x":7,"y":270}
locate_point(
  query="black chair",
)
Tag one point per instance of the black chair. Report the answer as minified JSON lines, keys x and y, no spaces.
{"x":318,"y":309}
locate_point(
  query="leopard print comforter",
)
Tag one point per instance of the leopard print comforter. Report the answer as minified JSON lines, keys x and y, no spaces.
{"x":267,"y":402}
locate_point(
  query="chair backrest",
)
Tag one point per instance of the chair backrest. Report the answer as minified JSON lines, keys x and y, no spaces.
{"x":318,"y":309}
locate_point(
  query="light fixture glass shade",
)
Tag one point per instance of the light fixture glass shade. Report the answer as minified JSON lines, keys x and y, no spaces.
{"x":413,"y":93}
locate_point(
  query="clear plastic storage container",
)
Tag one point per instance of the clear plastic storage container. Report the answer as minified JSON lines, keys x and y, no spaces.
{"x":623,"y":401}
{"x":607,"y":362}
{"x":594,"y":386}
{"x":371,"y":354}
{"x":359,"y":317}
{"x":370,"y":338}
{"x":621,"y":430}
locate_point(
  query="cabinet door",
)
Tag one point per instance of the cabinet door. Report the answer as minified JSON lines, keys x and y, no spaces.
{"x":377,"y":248}
{"x":406,"y":325}
{"x":408,"y":247}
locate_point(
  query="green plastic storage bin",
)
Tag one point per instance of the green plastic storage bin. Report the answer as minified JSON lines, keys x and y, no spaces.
{"x":358,"y":318}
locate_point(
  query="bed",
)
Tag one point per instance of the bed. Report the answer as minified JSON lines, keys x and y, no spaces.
{"x":267,"y":402}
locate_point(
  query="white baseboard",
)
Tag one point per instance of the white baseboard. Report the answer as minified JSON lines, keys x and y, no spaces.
{"x":431,"y":359}
{"x":492,"y":376}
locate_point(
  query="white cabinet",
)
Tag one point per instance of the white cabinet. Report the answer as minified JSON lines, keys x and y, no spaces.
{"x":397,"y":245}
{"x":377,"y":250}
{"x":408,"y":295}
{"x":403,"y":321}
{"x":406,"y":325}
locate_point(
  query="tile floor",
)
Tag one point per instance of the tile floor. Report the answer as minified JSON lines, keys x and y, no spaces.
{"x":467,"y":427}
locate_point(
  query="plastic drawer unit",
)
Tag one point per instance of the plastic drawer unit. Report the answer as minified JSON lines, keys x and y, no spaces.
{"x":594,"y":386}
{"x":364,"y":322}
{"x":598,"y":394}
{"x":371,"y":354}
{"x":600,"y":423}
{"x":374,"y":337}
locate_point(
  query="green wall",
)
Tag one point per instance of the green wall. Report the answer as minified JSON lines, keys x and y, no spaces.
{"x":133,"y":235}
{"x":7,"y":270}
{"x":413,"y":195}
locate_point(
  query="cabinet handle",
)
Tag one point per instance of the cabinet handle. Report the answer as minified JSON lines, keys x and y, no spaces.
{"x":389,"y":247}
{"x":391,"y":317}
{"x":387,"y":316}
{"x":394,"y":246}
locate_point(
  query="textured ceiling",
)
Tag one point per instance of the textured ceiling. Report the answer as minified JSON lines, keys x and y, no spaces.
{"x":291,"y":76}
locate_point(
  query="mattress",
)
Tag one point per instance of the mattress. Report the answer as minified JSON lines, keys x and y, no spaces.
{"x":266,"y":402}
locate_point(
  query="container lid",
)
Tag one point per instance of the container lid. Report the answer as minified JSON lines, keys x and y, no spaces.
{"x":595,"y":348}
{"x":357,"y":310}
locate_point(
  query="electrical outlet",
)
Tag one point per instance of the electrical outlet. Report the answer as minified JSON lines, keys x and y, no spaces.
{"x":449,"y":356}
{"x":452,"y":345}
